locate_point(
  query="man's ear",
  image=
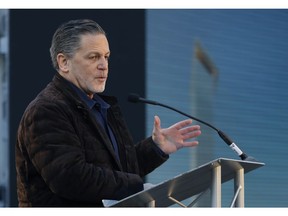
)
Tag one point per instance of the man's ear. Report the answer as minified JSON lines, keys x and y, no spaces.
{"x":62,"y":62}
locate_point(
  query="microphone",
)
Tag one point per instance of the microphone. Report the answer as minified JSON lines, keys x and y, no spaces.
{"x":134,"y":98}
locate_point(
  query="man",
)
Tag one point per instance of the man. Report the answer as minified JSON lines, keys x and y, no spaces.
{"x":73,"y":146}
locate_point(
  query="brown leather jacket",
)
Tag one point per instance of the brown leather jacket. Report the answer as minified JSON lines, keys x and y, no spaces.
{"x":64,"y":158}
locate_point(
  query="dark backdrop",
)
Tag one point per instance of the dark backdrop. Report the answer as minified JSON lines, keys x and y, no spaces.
{"x":31,"y":69}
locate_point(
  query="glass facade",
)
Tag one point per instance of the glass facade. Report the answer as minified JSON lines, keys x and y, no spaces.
{"x":239,"y":85}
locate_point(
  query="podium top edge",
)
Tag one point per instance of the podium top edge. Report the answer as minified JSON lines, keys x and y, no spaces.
{"x":237,"y":160}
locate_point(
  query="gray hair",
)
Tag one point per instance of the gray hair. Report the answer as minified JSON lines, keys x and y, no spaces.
{"x":66,"y":38}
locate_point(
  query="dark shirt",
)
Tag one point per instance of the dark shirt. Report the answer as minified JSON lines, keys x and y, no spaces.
{"x":99,"y":109}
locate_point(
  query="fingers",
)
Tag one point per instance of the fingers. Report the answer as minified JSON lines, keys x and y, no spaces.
{"x":183,"y":128}
{"x":190,"y":144}
{"x":191,"y":135}
{"x":193,"y":128}
{"x":182,"y":124}
{"x":176,"y":136}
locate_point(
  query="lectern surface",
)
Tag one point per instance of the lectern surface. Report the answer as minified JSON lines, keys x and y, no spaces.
{"x":187,"y":184}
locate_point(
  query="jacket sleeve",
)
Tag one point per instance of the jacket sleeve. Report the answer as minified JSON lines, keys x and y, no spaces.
{"x":56,"y":152}
{"x":149,"y":155}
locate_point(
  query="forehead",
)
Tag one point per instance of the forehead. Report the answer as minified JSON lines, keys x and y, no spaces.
{"x":94,"y":41}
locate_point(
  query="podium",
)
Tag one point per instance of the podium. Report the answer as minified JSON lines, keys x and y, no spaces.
{"x":209,"y":176}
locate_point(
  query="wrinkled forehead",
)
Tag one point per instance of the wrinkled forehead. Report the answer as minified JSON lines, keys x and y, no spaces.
{"x":96,"y":42}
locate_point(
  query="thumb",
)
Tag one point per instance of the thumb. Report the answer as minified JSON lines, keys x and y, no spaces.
{"x":157,"y":123}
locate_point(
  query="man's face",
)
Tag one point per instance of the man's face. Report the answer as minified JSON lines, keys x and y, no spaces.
{"x":88,"y":68}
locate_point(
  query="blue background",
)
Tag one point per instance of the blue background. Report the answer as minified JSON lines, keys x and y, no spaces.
{"x":247,"y":99}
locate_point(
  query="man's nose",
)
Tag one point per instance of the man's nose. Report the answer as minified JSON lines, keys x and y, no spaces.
{"x":103,"y":63}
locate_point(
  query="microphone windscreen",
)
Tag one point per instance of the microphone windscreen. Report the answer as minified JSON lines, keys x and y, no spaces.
{"x":134,"y":98}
